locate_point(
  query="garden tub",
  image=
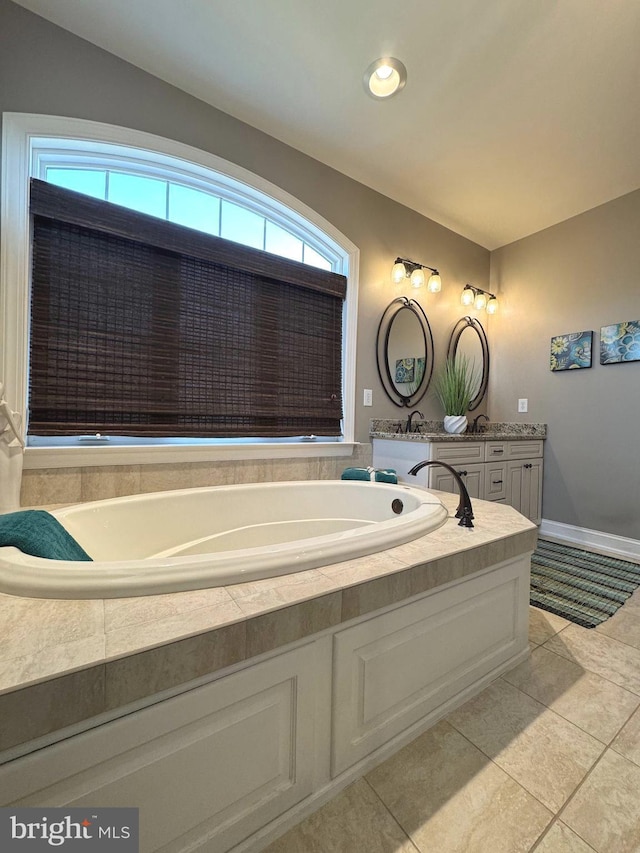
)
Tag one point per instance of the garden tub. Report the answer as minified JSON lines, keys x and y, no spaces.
{"x":197,"y":538}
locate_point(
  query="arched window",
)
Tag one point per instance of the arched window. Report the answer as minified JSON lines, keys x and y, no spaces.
{"x":167,"y":180}
{"x":175,"y":193}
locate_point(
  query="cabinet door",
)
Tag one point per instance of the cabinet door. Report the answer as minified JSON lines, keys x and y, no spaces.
{"x":514,"y":484}
{"x":532,"y":490}
{"x":524,"y":488}
{"x":472,"y":476}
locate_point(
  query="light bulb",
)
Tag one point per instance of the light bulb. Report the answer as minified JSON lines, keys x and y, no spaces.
{"x":467,"y":296}
{"x":480,"y":301}
{"x":434,"y":285}
{"x":492,"y":305}
{"x":384,"y":71}
{"x":398,"y":273}
{"x":417,"y":277}
{"x":384,"y":77}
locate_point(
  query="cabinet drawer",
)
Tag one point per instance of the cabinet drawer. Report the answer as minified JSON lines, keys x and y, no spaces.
{"x":495,"y":450}
{"x":530,"y":449}
{"x":495,"y":481}
{"x":457,"y":454}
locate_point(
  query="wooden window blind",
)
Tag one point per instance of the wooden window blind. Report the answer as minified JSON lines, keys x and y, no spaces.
{"x":141,"y":327}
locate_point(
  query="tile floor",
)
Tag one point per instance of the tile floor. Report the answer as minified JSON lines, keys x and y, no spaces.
{"x":546,"y":759}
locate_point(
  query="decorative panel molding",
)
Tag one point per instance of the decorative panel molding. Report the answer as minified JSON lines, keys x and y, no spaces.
{"x":397,"y":667}
{"x":208,"y":767}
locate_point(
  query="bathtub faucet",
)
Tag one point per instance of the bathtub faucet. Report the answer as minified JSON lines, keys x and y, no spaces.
{"x":464,"y":511}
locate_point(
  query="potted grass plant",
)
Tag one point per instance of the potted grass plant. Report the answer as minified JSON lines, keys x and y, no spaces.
{"x":455,"y":386}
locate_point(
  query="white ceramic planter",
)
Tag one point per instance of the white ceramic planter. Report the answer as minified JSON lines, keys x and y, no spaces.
{"x":455,"y":424}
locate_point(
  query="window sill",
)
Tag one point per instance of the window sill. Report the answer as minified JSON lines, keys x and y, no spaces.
{"x":85,"y":457}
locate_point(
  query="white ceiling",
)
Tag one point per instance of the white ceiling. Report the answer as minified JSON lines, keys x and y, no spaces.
{"x":517,"y":114}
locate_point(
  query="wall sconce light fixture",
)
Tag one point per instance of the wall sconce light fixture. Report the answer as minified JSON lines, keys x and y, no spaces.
{"x":479,"y":298}
{"x":404,"y":268}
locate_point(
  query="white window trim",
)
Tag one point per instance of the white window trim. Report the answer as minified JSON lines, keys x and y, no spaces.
{"x":19,"y":130}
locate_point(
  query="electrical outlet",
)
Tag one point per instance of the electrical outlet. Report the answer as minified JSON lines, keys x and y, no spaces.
{"x":368,"y":397}
{"x":523,"y":404}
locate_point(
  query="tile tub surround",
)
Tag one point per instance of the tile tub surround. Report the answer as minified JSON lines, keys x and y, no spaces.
{"x":46,"y":486}
{"x":434,"y":431}
{"x":85,"y":658}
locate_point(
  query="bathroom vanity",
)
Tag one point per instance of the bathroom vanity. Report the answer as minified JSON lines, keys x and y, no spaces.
{"x":227,"y":715}
{"x":503,"y":464}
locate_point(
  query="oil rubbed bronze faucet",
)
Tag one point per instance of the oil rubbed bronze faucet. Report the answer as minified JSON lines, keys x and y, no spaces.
{"x":476,"y":427}
{"x":409,"y":425}
{"x":464,"y":511}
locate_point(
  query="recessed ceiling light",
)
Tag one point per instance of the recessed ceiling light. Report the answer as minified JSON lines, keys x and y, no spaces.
{"x":384,"y":77}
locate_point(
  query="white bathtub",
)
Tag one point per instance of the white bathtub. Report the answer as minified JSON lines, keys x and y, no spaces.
{"x":196,"y":538}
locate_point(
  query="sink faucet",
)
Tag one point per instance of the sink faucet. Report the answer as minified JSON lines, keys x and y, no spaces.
{"x":464,"y":511}
{"x":409,"y":425}
{"x":476,"y":427}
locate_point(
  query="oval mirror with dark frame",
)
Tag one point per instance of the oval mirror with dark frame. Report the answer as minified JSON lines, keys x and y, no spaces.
{"x":404,"y":351}
{"x":468,"y":338}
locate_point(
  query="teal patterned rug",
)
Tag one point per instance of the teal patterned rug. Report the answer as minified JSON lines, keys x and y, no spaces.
{"x":581,"y":586}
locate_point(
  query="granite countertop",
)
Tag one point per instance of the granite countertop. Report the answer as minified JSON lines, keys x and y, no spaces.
{"x":434,"y":431}
{"x":82,"y":658}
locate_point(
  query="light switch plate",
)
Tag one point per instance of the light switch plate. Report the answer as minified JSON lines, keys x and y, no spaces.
{"x":523,"y":404}
{"x":368,"y":397}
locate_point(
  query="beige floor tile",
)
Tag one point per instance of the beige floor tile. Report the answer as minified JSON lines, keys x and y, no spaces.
{"x":543,"y":625}
{"x":591,"y":702}
{"x":353,"y":822}
{"x":605,"y":812}
{"x":545,"y":753}
{"x":624,"y":625}
{"x":561,"y":839}
{"x":597,"y":653}
{"x":451,"y":798}
{"x":628,"y":741}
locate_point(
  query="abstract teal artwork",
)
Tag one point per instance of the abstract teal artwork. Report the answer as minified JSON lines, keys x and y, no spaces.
{"x":571,"y":351}
{"x":405,"y":370}
{"x":620,"y":342}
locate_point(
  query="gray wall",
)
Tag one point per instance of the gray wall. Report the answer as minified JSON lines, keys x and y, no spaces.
{"x":579,"y":275}
{"x":44,"y":69}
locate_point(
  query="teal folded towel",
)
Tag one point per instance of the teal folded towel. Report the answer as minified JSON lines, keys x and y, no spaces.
{"x":38,"y":533}
{"x":377,"y":475}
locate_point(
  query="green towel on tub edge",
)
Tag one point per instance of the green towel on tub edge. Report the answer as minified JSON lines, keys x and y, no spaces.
{"x":377,"y":475}
{"x":37,"y":533}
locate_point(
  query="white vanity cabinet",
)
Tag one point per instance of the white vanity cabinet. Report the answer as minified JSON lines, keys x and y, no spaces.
{"x":523,"y":476}
{"x":504,"y":470}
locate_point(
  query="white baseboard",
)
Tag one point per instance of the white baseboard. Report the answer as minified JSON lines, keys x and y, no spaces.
{"x":592,"y":540}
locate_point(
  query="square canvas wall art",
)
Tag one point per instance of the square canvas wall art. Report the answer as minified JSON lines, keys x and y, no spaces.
{"x":571,"y":351}
{"x":620,"y":342}
{"x":405,"y":370}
